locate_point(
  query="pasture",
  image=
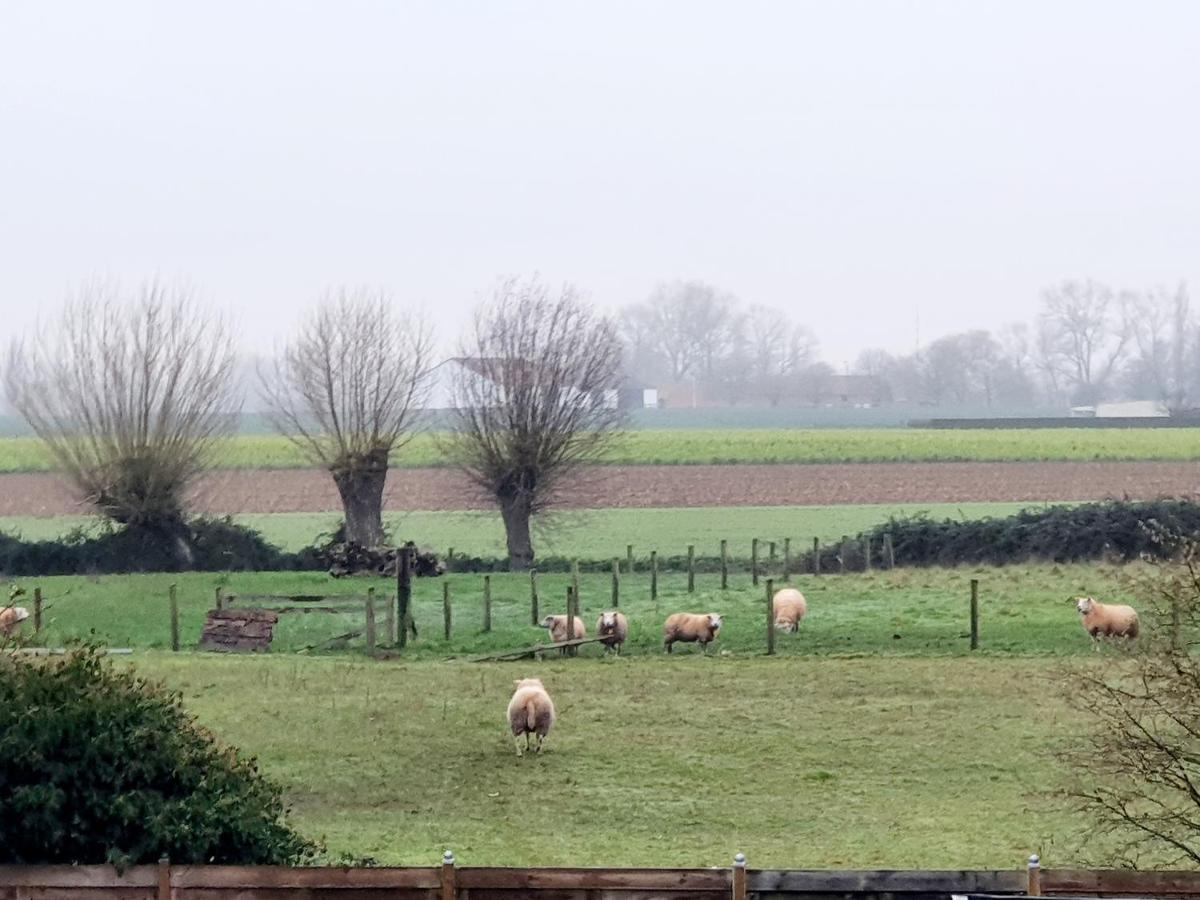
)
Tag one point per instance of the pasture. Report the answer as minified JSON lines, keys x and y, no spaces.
{"x":579,"y":533}
{"x":762,"y":446}
{"x":874,"y":738}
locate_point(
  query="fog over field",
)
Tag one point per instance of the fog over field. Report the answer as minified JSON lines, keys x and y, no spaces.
{"x":882,"y":172}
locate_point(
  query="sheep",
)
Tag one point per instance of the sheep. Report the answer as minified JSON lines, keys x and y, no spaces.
{"x":11,"y":618}
{"x":530,"y":712}
{"x":1106,"y":619}
{"x":690,"y":628}
{"x":789,"y":607}
{"x":614,"y":628}
{"x":557,"y":626}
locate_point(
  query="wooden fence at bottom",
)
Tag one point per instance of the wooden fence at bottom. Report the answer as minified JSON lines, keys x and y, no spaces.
{"x":450,"y":882}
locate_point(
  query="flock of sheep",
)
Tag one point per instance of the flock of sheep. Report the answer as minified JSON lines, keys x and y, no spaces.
{"x":531,"y":711}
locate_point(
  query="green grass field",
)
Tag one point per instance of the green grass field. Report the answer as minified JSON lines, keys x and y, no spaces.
{"x":874,"y":738}
{"x":1026,"y":610}
{"x":584,"y":534}
{"x":805,"y":763}
{"x":696,"y":447}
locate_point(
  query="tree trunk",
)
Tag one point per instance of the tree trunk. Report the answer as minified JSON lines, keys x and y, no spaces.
{"x":360,"y":483}
{"x":516,"y":516}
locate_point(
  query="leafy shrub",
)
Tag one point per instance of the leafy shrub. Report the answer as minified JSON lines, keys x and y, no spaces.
{"x":98,"y":765}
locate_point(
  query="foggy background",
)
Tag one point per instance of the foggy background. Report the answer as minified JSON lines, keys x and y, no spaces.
{"x":868,"y":169}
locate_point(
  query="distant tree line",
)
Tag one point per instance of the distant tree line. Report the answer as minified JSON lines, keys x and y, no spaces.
{"x":1088,"y":343}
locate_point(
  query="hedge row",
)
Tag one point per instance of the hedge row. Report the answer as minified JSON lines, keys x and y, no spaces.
{"x":1121,"y":530}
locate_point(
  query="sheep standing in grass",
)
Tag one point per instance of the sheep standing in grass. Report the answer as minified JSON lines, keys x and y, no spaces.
{"x":691,"y":628}
{"x":557,"y":626}
{"x":613,"y":627}
{"x":1107,"y":619}
{"x":11,"y":618}
{"x":530,"y":713}
{"x":789,"y":607}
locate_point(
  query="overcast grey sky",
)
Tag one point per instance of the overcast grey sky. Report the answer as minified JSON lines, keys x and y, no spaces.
{"x":846,"y":161}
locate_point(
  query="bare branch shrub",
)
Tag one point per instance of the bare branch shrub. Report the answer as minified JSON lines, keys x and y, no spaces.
{"x":346,"y":391}
{"x":534,"y":400}
{"x":129,"y":395}
{"x":1138,"y":770}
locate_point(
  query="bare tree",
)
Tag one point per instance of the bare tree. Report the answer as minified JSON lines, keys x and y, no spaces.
{"x":534,"y":401}
{"x":1162,"y":330}
{"x":346,"y":390}
{"x":1086,"y":330}
{"x":1140,"y":763}
{"x":129,"y":395}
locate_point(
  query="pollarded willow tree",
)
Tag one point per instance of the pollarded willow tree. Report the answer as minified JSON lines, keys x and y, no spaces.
{"x":129,"y":393}
{"x":534,"y":401}
{"x":346,"y":390}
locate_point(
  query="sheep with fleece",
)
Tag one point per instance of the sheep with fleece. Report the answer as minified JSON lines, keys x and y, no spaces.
{"x":1106,"y":619}
{"x":557,"y":626}
{"x":691,"y":628}
{"x":11,"y":618}
{"x":613,"y":627}
{"x":789,"y":607}
{"x":530,"y":713}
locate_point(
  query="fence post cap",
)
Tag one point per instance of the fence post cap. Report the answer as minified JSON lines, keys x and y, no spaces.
{"x":739,"y":860}
{"x":448,"y":858}
{"x":1034,"y":861}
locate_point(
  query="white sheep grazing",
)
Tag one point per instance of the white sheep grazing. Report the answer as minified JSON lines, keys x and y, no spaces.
{"x":613,"y":627}
{"x":690,"y":628}
{"x":1106,"y":619}
{"x":530,"y":712}
{"x":11,"y":618}
{"x":789,"y":607}
{"x":557,"y":626}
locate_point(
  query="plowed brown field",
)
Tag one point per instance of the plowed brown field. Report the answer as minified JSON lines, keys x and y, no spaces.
{"x":299,"y":490}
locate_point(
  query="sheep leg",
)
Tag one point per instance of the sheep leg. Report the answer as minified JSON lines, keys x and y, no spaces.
{"x":517,"y":741}
{"x":540,"y":739}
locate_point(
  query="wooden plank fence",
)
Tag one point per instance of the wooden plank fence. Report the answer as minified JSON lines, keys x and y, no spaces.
{"x":451,"y":882}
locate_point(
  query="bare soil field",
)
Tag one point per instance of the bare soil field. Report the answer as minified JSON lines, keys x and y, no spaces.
{"x":306,"y":490}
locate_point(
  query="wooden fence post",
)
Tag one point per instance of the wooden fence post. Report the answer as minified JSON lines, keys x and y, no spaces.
{"x":754,"y":561}
{"x":572,"y":600}
{"x":889,"y":551}
{"x":1033,"y":884}
{"x":389,"y":620}
{"x":450,"y":560}
{"x":487,"y":603}
{"x":533,"y":597}
{"x":739,"y":877}
{"x":616,"y":583}
{"x":724,"y":564}
{"x":654,"y":579}
{"x":787,"y":559}
{"x":816,"y":556}
{"x":447,"y":614}
{"x":770,"y":617}
{"x":449,"y":881}
{"x":174,"y":618}
{"x":403,"y":596}
{"x":370,"y":626}
{"x":974,"y":613}
{"x":866,"y":552}
{"x":37,"y":610}
{"x":691,"y":568}
{"x":770,"y":556}
{"x":629,"y":558}
{"x":164,"y":879}
{"x":219,"y":598}
{"x":842,"y":554}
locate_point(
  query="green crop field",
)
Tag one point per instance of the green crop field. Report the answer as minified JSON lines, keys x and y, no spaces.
{"x":875,"y":737}
{"x":698,"y":447}
{"x":582,"y":534}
